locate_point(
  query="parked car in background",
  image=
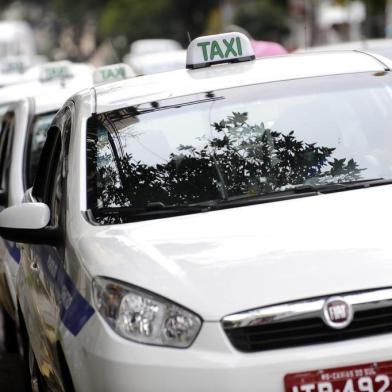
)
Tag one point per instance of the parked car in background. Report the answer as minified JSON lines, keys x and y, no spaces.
{"x":26,"y":112}
{"x":148,"y":46}
{"x":151,"y":63}
{"x":16,"y":39}
{"x":148,"y":56}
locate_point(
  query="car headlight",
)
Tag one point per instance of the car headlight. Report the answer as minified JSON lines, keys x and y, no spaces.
{"x":144,"y":317}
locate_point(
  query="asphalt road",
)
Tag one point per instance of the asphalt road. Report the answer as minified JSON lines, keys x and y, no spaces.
{"x":11,"y":375}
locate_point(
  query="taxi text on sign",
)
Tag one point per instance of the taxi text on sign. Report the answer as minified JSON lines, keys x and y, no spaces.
{"x":55,"y":70}
{"x":113,"y":73}
{"x":213,"y":50}
{"x":220,"y":48}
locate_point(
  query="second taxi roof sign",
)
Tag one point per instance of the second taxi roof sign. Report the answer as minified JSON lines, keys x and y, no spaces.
{"x":218,"y":49}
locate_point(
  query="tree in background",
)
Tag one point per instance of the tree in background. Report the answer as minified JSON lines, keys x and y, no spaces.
{"x":375,"y":21}
{"x":264,"y":19}
{"x":136,"y":19}
{"x":79,"y":26}
{"x":156,"y":19}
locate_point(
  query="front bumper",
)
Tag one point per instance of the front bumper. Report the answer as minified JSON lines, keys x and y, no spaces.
{"x":100,"y":360}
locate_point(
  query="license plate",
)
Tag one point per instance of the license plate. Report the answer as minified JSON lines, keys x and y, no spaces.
{"x":370,"y":377}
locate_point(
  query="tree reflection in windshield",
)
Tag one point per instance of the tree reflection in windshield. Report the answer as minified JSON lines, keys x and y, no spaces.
{"x":242,"y":159}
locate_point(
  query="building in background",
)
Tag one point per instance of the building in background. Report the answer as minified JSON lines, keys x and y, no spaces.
{"x":319,"y":22}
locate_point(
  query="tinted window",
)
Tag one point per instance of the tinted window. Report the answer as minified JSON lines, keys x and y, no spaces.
{"x":6,"y":138}
{"x":36,"y":142}
{"x":3,"y":111}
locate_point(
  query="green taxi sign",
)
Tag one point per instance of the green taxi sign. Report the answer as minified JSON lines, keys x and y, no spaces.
{"x":218,"y":49}
{"x":113,"y":73}
{"x":57,"y":70}
{"x":14,"y":64}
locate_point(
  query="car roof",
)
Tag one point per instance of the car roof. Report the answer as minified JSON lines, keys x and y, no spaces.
{"x":16,"y":91}
{"x":117,"y":95}
{"x":52,"y":99}
{"x":47,"y":96}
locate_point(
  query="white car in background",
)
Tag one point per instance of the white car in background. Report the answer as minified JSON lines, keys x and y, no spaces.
{"x":151,"y":63}
{"x":219,"y":228}
{"x":16,"y":39}
{"x":149,"y":56}
{"x":158,"y":45}
{"x":28,"y":112}
{"x":17,"y":51}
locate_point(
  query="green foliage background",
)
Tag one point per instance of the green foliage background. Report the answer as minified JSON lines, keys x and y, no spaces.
{"x":135,"y":19}
{"x":265,"y":19}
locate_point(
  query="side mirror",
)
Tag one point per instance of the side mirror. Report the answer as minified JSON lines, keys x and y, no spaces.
{"x":27,"y":223}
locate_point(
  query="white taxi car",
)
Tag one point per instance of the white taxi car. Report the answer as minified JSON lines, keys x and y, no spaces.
{"x":219,"y":228}
{"x":29,"y":110}
{"x":16,"y":39}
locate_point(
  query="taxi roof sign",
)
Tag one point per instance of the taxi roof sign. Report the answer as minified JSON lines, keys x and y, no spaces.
{"x":55,"y":70}
{"x":113,"y":73}
{"x":14,"y":64}
{"x":218,"y":49}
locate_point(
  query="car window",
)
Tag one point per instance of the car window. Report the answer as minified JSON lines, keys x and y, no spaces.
{"x":45,"y":188}
{"x":57,"y":191}
{"x":6,"y":138}
{"x":239,"y":142}
{"x":35,"y":143}
{"x":52,"y":168}
{"x":3,"y":111}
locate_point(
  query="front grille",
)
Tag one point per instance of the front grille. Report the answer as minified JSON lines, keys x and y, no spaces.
{"x":309,"y":328}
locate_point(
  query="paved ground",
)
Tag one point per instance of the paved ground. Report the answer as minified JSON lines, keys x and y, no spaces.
{"x":10,"y":369}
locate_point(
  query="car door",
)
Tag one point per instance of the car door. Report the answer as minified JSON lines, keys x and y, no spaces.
{"x":43,"y":265}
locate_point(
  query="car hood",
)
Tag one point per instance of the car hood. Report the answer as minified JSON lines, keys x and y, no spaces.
{"x":226,"y":261}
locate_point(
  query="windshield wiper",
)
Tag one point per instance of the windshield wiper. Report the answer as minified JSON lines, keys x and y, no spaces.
{"x":296,"y":192}
{"x":286,"y":194}
{"x":151,"y":210}
{"x":341,"y":186}
{"x":157,"y":209}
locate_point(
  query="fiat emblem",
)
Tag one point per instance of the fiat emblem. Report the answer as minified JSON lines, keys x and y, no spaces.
{"x":337,"y":313}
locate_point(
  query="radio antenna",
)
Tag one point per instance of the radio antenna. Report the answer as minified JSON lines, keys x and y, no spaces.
{"x":189,"y":36}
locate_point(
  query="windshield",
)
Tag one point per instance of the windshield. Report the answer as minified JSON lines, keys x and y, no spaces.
{"x":36,"y":142}
{"x":239,"y":142}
